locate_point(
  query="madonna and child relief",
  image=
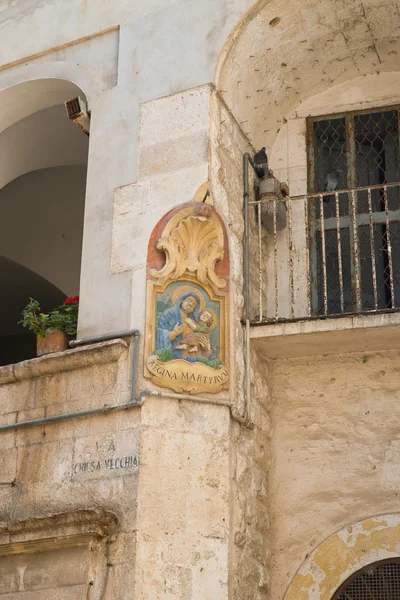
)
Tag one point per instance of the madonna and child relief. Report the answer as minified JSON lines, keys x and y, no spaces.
{"x":187,"y":296}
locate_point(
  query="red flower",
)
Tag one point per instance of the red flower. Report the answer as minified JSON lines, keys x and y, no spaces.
{"x":71,"y":300}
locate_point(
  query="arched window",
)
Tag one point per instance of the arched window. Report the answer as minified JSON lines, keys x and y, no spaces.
{"x":43,"y":164}
{"x":377,"y":581}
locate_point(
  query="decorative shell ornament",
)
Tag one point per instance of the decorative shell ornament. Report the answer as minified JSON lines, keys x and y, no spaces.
{"x":193,"y":246}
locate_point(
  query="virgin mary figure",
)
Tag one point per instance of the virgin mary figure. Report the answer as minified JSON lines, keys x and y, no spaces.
{"x":172,"y":327}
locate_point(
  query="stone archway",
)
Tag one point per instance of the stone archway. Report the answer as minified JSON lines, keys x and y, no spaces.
{"x":43,"y":164}
{"x":344,"y":553}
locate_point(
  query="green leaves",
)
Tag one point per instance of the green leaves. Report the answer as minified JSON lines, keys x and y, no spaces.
{"x":33,"y":319}
{"x":64,"y":317}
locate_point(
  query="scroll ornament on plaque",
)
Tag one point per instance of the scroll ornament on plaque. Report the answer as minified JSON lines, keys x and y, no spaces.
{"x":187,"y":311}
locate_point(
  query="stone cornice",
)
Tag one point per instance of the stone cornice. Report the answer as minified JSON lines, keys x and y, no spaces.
{"x":56,"y":530}
{"x":77,"y":358}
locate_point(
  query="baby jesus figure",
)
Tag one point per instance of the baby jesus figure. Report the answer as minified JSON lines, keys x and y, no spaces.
{"x":198,"y":342}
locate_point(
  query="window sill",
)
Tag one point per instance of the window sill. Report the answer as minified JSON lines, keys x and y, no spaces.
{"x":366,"y":333}
{"x":76,"y":358}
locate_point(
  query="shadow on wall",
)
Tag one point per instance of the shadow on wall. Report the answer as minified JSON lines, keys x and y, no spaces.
{"x":43,"y":165}
{"x":14,"y":348}
{"x":40,"y":249}
{"x":41,"y":224}
{"x":18,"y":283}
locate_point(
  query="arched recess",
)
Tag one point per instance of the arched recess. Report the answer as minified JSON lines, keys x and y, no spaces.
{"x":284,"y":62}
{"x":285,"y":52}
{"x":343,"y":554}
{"x":43,"y":164}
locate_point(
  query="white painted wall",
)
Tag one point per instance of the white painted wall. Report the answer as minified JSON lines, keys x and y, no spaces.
{"x":120,"y":54}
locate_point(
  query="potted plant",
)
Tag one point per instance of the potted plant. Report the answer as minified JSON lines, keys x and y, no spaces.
{"x":53,"y":330}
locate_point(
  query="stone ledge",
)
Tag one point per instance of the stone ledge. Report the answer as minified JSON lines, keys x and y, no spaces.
{"x":317,"y":337}
{"x":76,"y":358}
{"x":56,"y":530}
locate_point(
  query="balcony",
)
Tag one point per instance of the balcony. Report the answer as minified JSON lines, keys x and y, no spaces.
{"x":326,"y":266}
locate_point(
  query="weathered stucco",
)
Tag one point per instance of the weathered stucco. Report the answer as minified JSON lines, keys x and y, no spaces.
{"x":291,"y":50}
{"x":343,"y":554}
{"x":250,"y":448}
{"x":335,"y":456}
{"x":251,"y":540}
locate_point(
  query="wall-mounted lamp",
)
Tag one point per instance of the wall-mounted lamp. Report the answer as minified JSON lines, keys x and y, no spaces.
{"x":77,"y":112}
{"x":271,"y":189}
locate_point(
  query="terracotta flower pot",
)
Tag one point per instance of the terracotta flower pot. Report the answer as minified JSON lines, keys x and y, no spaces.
{"x":54,"y":341}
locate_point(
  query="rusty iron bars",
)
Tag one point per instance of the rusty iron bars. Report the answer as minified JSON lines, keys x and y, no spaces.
{"x":339,"y":254}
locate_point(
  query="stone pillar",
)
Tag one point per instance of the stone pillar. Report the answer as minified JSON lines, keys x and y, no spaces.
{"x":183,"y":501}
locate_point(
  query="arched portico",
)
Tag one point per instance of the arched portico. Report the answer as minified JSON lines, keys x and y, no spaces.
{"x":43,"y":158}
{"x":49,"y":79}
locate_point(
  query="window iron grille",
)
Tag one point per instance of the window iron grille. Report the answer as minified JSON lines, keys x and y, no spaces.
{"x":378,"y":581}
{"x":339,"y":253}
{"x":362,"y":148}
{"x":355,"y":251}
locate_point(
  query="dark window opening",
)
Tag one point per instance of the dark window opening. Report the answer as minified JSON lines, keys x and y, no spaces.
{"x":355,"y":230}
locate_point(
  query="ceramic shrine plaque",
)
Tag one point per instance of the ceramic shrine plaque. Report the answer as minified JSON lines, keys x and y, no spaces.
{"x":187,"y":301}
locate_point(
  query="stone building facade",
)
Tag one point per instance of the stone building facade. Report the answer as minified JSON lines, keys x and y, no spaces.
{"x":252,"y":453}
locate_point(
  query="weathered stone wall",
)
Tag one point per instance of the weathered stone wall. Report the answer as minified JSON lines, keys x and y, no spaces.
{"x":79,"y":463}
{"x":195,"y":515}
{"x":163,"y":469}
{"x":336,"y":451}
{"x":250,"y":448}
{"x":38,"y":574}
{"x":173,"y":155}
{"x":344,"y":554}
{"x":251,"y":459}
{"x":184,"y":503}
{"x":227,"y":146}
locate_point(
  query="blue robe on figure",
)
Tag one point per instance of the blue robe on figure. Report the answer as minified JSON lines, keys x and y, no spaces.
{"x":167,"y":321}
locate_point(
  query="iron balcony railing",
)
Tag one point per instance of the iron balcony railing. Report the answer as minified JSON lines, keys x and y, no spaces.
{"x":327,"y":254}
